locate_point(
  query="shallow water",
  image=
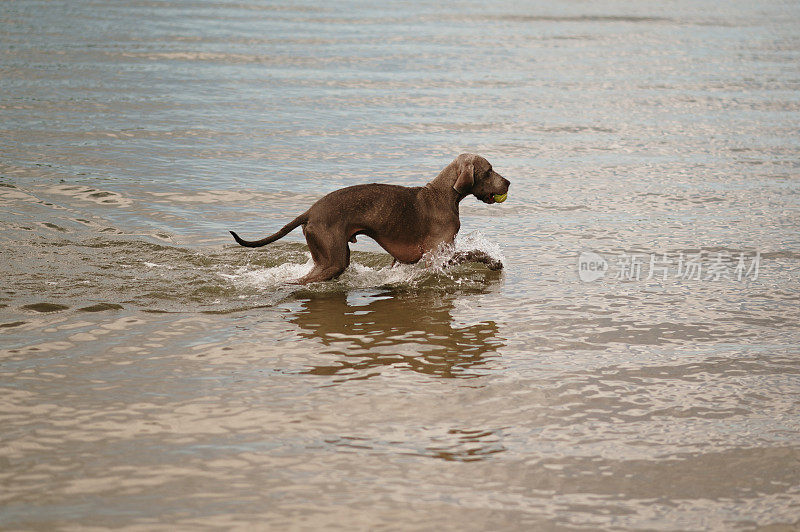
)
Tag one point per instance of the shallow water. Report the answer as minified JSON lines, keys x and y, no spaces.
{"x":154,"y":374}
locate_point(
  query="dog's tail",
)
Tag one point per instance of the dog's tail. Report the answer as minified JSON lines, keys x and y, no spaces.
{"x":300,"y":220}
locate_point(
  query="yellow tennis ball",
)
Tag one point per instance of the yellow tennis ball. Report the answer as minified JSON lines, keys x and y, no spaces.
{"x":500,"y":198}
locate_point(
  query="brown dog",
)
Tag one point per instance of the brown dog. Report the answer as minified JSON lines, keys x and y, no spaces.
{"x":406,"y":221}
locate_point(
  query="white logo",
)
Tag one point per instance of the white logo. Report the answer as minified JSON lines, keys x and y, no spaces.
{"x":691,"y":267}
{"x":591,"y":266}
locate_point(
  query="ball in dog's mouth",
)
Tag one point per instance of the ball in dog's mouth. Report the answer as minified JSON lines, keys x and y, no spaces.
{"x":493,"y":198}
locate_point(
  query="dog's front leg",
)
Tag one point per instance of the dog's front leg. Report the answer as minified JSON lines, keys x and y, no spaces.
{"x":475,"y":256}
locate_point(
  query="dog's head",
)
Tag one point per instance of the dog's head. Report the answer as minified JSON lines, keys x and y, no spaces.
{"x":476,"y":177}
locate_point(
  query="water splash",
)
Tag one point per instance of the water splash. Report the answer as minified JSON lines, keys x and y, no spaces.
{"x":246,"y":276}
{"x":365,"y":270}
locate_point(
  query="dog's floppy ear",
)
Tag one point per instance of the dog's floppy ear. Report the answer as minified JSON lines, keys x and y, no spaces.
{"x":466,"y":173}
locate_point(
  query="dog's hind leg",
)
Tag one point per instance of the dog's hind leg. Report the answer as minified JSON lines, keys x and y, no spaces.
{"x":331,"y":255}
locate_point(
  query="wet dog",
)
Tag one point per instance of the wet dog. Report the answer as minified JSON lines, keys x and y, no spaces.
{"x":406,"y":221}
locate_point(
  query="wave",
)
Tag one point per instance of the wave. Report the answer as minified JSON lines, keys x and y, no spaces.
{"x":366,"y":270}
{"x":66,"y":274}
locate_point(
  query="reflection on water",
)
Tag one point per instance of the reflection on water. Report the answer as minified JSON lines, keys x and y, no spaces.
{"x":395,"y":328}
{"x":154,"y":375}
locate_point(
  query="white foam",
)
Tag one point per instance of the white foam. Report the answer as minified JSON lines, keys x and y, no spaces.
{"x":360,"y":276}
{"x":270,"y":277}
{"x":154,"y":265}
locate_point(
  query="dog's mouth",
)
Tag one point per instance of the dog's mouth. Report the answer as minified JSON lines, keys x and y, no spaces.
{"x":493,"y":198}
